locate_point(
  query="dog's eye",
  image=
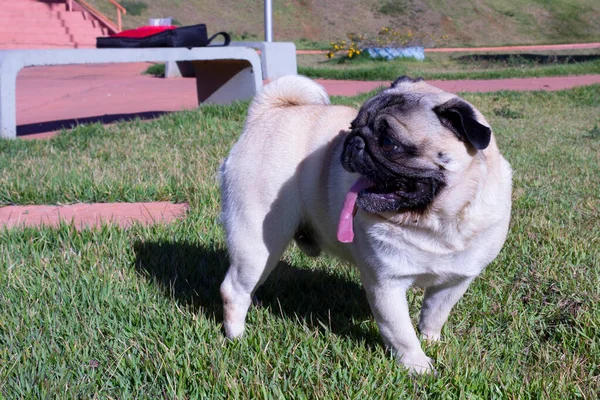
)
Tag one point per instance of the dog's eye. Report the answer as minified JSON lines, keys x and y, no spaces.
{"x":387,"y":144}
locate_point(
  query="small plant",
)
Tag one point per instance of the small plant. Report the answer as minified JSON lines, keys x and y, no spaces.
{"x":157,"y":70}
{"x":134,"y":7}
{"x":350,"y":47}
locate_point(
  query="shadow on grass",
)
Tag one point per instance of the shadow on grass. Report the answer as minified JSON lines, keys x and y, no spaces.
{"x":52,"y":126}
{"x":191,"y":275}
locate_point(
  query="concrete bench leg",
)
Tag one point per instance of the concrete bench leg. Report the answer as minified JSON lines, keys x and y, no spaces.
{"x":8,"y":103}
{"x":224,"y":81}
{"x":179,"y":69}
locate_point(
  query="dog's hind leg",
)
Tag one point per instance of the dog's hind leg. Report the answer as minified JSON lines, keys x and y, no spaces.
{"x":255,"y":246}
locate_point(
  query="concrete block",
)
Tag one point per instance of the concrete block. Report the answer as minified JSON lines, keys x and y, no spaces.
{"x":277,"y":58}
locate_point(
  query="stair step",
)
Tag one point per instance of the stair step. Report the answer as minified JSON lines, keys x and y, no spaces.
{"x":84,"y":31}
{"x":19,"y":6}
{"x":6,"y":36}
{"x":31,"y":46}
{"x":48,"y":15}
{"x":38,"y":15}
{"x":38,"y":24}
{"x":24,"y":26}
{"x":35,"y":3}
{"x":32,"y":24}
{"x":41,"y":40}
{"x":50,"y":43}
{"x":45,"y":38}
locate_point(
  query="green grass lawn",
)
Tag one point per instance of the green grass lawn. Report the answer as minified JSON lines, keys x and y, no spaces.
{"x":455,"y":66}
{"x":135,"y":313}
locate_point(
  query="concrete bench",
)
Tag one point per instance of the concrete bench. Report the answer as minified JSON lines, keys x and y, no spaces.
{"x":223,"y":74}
{"x":276,"y":58}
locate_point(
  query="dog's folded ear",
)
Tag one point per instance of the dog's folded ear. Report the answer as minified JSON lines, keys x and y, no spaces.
{"x":458,"y":116}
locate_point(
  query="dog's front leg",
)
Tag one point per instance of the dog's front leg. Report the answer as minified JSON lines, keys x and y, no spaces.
{"x":390,"y":309}
{"x":437,"y":303}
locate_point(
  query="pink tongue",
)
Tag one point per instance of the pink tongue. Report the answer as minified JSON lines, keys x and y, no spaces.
{"x":345,"y":232}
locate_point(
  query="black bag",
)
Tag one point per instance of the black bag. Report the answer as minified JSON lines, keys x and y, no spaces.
{"x":185,"y":36}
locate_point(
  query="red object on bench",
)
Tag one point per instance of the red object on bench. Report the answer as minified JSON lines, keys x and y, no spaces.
{"x":143,"y":31}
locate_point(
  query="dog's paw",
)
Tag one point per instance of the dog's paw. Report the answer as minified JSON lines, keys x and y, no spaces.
{"x":431,"y":336}
{"x":417,"y":363}
{"x":233,"y":330}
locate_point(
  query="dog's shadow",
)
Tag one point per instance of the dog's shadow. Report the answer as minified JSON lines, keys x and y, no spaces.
{"x":191,"y":274}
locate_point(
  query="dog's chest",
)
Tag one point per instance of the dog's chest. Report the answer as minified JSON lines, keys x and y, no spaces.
{"x":428,"y":257}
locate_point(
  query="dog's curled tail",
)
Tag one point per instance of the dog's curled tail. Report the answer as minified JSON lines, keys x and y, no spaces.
{"x":290,"y":90}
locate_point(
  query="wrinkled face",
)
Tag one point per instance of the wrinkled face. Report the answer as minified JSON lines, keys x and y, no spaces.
{"x":406,"y":140}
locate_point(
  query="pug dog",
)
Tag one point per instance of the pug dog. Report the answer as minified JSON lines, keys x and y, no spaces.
{"x":411,"y":189}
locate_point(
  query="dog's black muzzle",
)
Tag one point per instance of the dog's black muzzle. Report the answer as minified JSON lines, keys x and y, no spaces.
{"x":355,"y":155}
{"x":355,"y":147}
{"x":396,"y":187}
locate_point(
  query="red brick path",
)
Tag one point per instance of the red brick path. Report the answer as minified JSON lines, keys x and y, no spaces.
{"x":91,"y":215}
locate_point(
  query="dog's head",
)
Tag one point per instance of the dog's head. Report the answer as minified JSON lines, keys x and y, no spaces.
{"x":408,"y":141}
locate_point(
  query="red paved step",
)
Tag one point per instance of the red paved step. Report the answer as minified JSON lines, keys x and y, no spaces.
{"x":37,"y":24}
{"x":17,"y":6}
{"x":84,"y":216}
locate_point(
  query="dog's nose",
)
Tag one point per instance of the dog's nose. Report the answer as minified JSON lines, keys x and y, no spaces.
{"x":353,"y":153}
{"x":356,"y":145}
